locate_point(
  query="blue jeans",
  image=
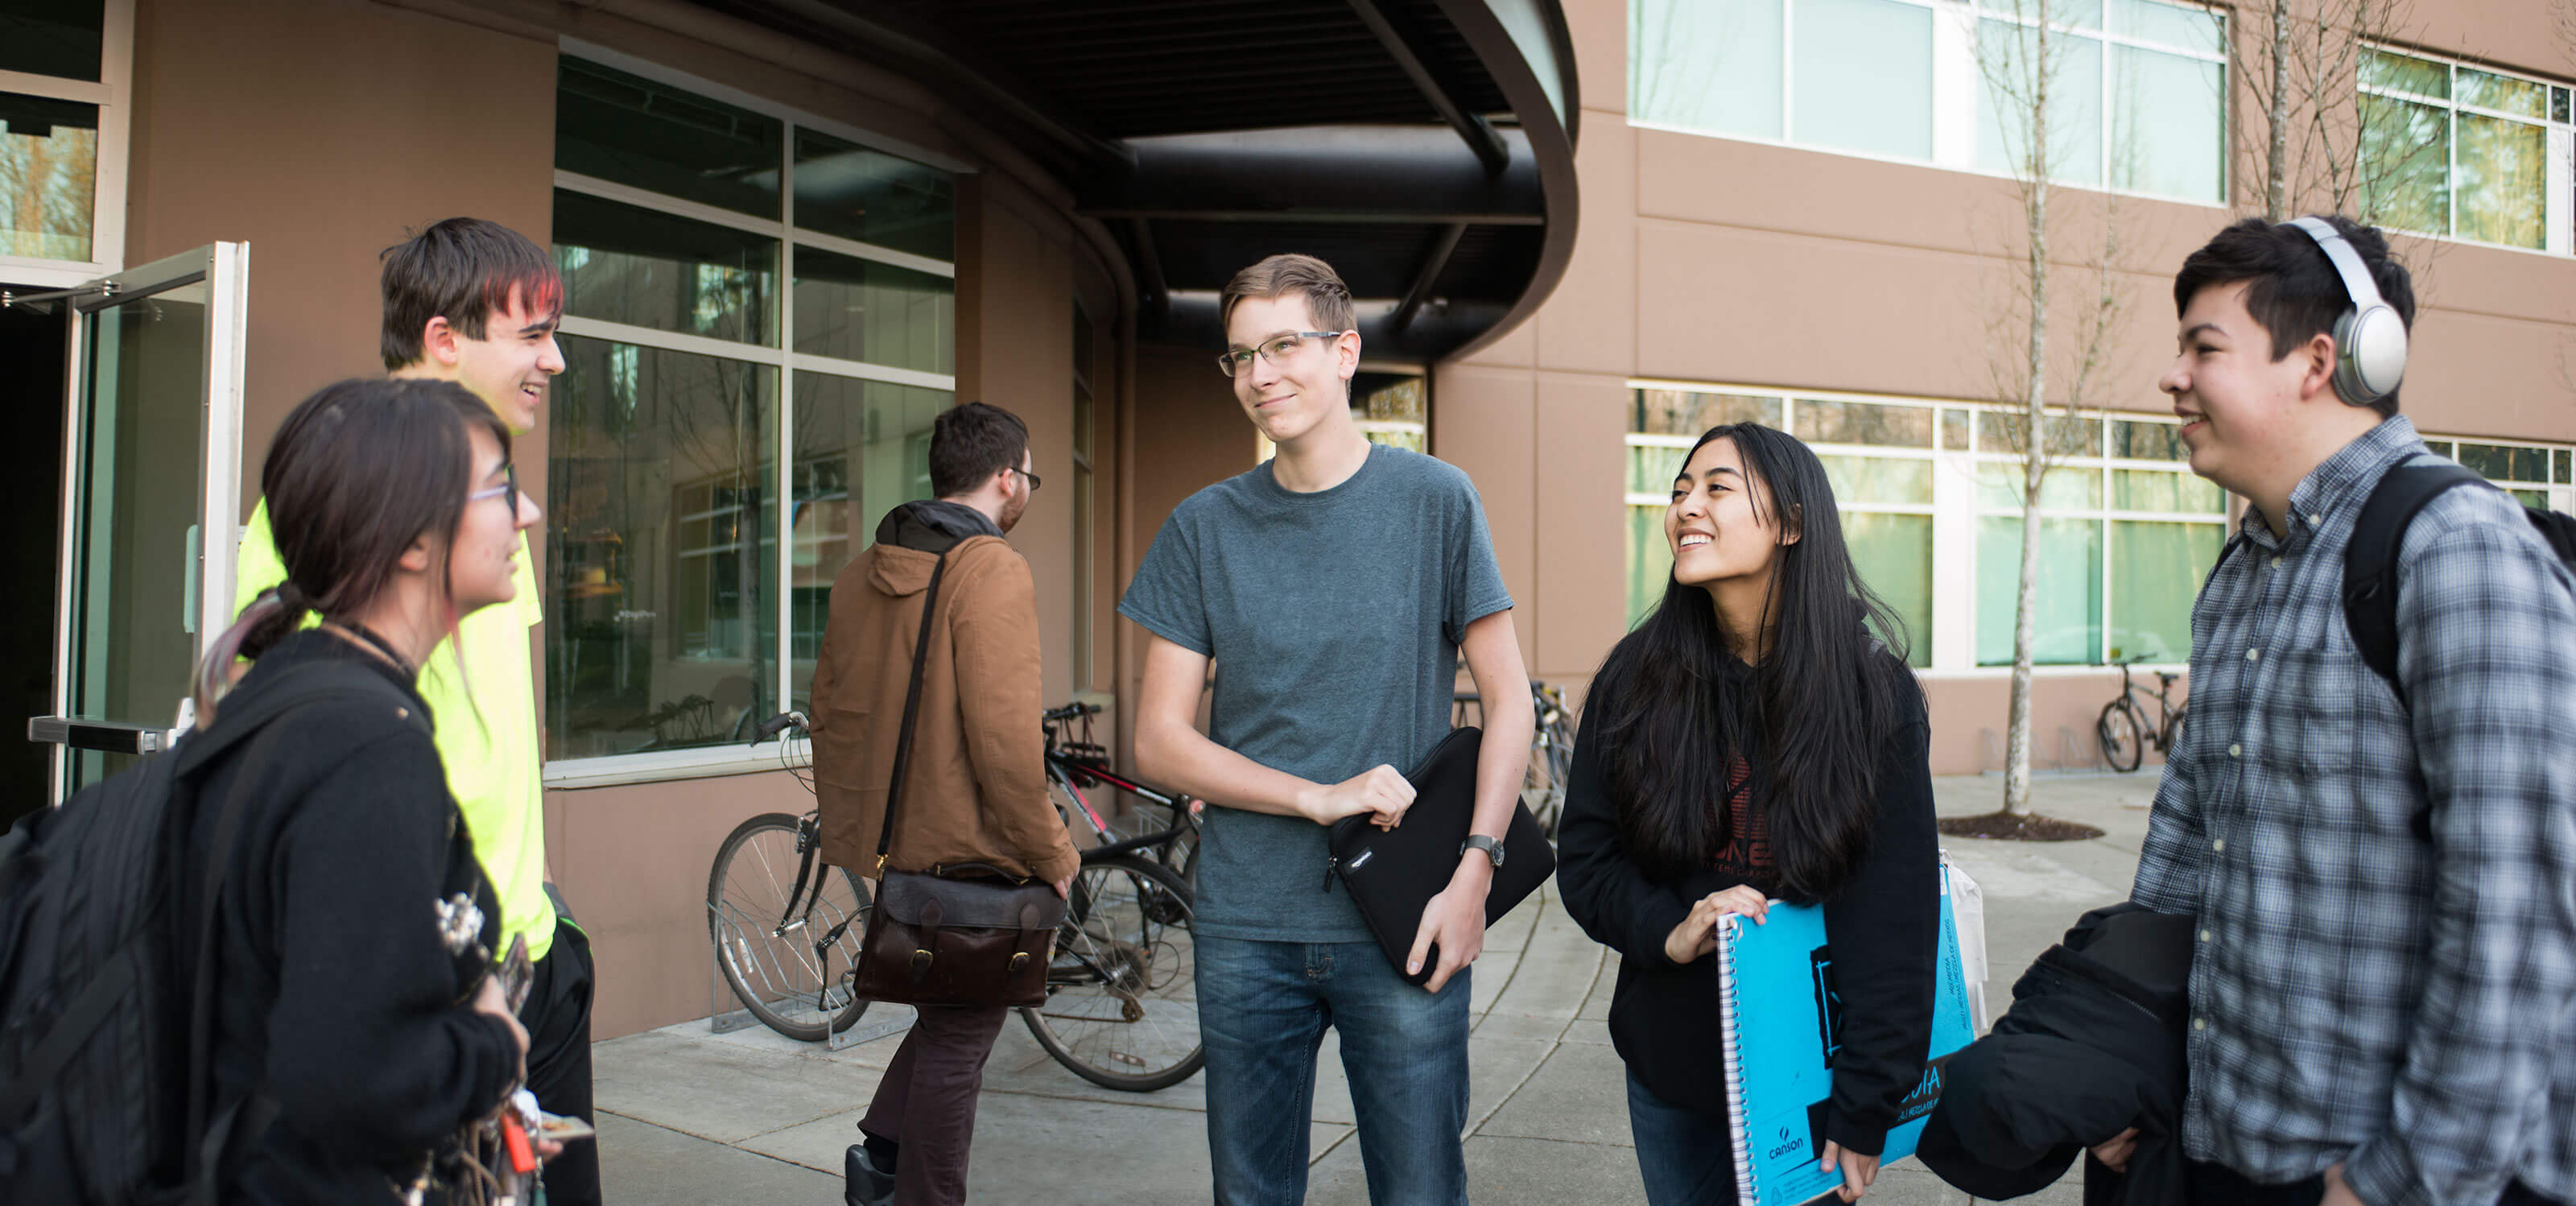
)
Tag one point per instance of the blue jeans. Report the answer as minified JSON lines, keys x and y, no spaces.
{"x":1263,"y":1007}
{"x":1686,"y":1156}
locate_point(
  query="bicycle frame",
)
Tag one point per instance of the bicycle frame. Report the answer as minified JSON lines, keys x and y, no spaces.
{"x":1084,"y":763}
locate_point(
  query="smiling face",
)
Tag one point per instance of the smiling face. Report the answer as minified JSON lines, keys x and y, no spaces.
{"x":509,"y":367}
{"x":1721,"y":525}
{"x":1309,"y":385}
{"x":2246,"y":416}
{"x":486,"y":546}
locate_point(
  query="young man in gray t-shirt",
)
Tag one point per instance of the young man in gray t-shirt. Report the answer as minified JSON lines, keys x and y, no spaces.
{"x":1333,"y":587}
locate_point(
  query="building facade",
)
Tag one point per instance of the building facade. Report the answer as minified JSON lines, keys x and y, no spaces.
{"x":792,"y":231}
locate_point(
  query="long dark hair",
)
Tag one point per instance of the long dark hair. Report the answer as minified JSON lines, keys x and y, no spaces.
{"x":1824,"y":698}
{"x":357,"y":472}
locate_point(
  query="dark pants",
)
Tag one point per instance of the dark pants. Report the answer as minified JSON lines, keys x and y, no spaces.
{"x":557,"y":1016}
{"x":1685,"y":1156}
{"x":2219,"y":1185}
{"x":926,"y":1102}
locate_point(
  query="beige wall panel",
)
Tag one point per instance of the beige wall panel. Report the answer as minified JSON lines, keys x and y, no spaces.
{"x":1580,"y":599}
{"x":1589,"y":323}
{"x":1515,"y":349}
{"x":633,"y":863}
{"x":1189,"y":433}
{"x":2471,"y":374}
{"x":1021,"y":313}
{"x":1969,"y":714}
{"x":1600,"y":32}
{"x":1483,"y":421}
{"x":254,"y":122}
{"x":2518,"y":35}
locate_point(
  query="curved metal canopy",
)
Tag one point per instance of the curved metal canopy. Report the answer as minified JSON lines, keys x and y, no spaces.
{"x":1424,"y":147}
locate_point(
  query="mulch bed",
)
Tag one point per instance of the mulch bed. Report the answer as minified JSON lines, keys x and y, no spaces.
{"x":2017,"y":827}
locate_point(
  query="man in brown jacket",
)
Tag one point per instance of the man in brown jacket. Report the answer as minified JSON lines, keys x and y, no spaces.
{"x":975,"y":791}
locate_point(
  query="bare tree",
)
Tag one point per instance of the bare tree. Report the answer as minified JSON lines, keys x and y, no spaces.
{"x":2311,"y":138}
{"x":2022,"y":71}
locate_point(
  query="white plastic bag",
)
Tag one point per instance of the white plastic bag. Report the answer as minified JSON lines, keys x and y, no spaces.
{"x":1968,"y":914}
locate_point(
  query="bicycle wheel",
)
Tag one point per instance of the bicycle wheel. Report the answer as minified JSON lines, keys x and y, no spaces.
{"x":1551,"y":764}
{"x":2119,"y":730}
{"x":769,"y":958}
{"x":1122,"y":1006}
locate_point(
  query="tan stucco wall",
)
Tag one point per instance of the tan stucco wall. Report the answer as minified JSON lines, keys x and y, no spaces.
{"x":1708,"y":259}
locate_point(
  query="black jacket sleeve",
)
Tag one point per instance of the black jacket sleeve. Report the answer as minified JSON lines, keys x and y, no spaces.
{"x":369,"y":1052}
{"x":1604,"y":890}
{"x":1884,"y":930}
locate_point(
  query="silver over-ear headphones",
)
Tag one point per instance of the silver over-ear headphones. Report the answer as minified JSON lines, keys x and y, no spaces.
{"x":2370,"y":339}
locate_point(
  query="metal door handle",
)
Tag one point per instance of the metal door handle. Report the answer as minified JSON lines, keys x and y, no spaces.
{"x":111,"y":736}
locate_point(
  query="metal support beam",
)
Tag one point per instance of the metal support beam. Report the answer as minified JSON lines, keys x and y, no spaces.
{"x":1402,"y":46}
{"x":1149,"y":267}
{"x":1319,"y":174}
{"x":1426,"y":277}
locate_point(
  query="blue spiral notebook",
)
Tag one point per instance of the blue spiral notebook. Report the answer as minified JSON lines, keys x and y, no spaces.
{"x":1781,"y":1018}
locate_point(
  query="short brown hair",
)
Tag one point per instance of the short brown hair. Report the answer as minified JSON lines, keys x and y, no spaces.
{"x":463,"y":270}
{"x":1327,"y":298}
{"x":970,"y":442}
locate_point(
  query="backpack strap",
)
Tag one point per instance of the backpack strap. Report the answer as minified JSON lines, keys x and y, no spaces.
{"x":2370,"y":558}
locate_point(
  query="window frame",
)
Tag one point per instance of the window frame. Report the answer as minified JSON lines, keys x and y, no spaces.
{"x":1954,"y":69}
{"x":113,"y":93}
{"x":780,"y":354}
{"x":2558,"y":196}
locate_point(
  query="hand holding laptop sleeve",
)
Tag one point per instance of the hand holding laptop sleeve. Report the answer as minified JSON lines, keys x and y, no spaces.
{"x":1392,"y":874}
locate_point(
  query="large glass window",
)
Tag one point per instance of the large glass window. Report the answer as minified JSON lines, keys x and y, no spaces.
{"x":2138,"y":99}
{"x":1930,"y":497}
{"x":63,"y":106}
{"x":48,"y":177}
{"x":694,"y":305}
{"x":2453,"y":150}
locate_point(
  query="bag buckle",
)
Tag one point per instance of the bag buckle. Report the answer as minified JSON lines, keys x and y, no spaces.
{"x":1019,"y":960}
{"x":920,"y":965}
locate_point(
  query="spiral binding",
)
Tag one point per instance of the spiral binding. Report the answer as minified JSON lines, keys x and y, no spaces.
{"x":1748,"y":1190}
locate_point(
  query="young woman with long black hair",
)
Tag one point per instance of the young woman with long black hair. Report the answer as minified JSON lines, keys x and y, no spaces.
{"x":355,"y":1022}
{"x":1752,"y":740}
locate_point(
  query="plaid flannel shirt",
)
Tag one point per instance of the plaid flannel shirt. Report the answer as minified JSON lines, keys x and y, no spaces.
{"x":2386,"y":973}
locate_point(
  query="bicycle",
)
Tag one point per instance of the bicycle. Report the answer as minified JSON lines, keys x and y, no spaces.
{"x":2123,"y":728}
{"x":1074,"y":763}
{"x":776,"y":938}
{"x":1121,"y":1009}
{"x":1551,"y":761}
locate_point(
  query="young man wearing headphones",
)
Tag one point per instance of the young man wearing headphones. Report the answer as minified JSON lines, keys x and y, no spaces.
{"x":2383,"y":868}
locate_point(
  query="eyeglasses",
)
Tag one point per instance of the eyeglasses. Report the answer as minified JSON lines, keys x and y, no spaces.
{"x":509,"y":488}
{"x":1033,"y":478}
{"x":1276,"y":349}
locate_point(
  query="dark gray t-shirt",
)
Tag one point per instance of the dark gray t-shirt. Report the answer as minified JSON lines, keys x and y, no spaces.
{"x":1333,"y":619}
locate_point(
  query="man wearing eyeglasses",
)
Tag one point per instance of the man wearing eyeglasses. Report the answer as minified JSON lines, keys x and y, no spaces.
{"x":475,"y":302}
{"x":1333,"y":588}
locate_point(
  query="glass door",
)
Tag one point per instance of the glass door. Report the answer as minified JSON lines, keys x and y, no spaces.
{"x":151,"y":496}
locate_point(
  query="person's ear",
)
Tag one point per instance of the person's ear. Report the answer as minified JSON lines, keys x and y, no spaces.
{"x":2317,"y":366}
{"x":418,"y":557}
{"x":1793,"y":525}
{"x":438,"y":342}
{"x":1346,"y":350}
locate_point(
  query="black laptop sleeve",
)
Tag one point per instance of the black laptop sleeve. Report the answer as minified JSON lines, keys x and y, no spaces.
{"x":1392,"y":874}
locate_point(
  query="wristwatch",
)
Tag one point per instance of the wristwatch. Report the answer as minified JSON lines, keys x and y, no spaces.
{"x":1492,"y":847}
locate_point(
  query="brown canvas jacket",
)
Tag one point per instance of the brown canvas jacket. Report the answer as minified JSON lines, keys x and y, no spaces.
{"x":975,"y":791}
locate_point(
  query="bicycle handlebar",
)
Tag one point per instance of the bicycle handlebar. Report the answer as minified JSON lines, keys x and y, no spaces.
{"x":777,"y":724}
{"x":1071,"y":711}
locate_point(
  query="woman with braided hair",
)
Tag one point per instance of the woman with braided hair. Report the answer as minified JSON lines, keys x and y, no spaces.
{"x":356,"y":1026}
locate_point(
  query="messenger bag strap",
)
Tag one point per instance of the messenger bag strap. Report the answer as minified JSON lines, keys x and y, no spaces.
{"x":911,"y":712}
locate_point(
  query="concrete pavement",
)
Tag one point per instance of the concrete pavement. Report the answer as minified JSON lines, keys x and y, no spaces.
{"x":694,"y":1118}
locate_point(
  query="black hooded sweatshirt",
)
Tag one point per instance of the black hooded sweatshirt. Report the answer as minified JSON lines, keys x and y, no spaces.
{"x":1883,"y":924}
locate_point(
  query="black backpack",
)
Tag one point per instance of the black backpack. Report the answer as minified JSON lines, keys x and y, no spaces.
{"x":92,"y":1109}
{"x":2370,"y":561}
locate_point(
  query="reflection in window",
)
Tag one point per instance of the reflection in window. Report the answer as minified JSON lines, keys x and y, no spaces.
{"x":854,"y":309}
{"x":848,"y":190}
{"x":1688,"y":412}
{"x":2156,"y":572}
{"x":862,"y":449}
{"x":650,"y":135}
{"x":2066,"y":612}
{"x":2433,"y":162}
{"x":661,"y":628}
{"x":1863,"y":72}
{"x":1393,"y":410}
{"x":48,"y":177}
{"x":622,"y":263}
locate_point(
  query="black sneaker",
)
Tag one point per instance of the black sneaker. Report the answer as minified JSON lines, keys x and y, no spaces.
{"x":868,"y":1186}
